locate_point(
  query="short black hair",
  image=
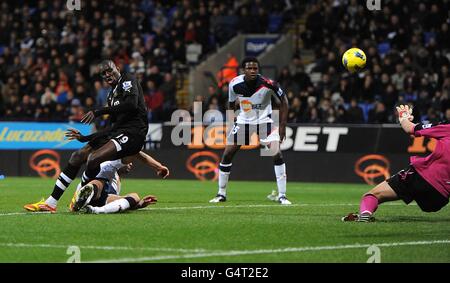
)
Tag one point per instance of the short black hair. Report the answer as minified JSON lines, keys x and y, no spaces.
{"x":106,"y":63}
{"x":249,"y":59}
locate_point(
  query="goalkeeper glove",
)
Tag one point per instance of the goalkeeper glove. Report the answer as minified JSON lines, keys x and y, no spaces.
{"x":404,"y":113}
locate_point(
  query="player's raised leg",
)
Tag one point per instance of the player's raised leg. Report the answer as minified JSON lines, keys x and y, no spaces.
{"x":383,"y":192}
{"x":116,"y":204}
{"x":65,"y":178}
{"x":224,"y":172}
{"x":86,"y":194}
{"x":105,"y":153}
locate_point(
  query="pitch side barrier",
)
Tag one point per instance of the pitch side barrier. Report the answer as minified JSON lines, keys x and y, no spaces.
{"x":313,"y":153}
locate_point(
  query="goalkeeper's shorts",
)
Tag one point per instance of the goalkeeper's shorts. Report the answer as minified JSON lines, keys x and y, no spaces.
{"x":409,"y":186}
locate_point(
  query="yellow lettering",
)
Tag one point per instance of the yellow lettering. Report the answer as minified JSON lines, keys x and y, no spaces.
{"x":36,"y":135}
{"x":43,"y":136}
{"x":51,"y":136}
{"x":4,"y":131}
{"x":61,"y":135}
{"x":27,"y":135}
{"x":12,"y":135}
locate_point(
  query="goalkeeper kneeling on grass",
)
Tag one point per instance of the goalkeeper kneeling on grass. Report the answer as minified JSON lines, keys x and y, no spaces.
{"x":426,"y":180}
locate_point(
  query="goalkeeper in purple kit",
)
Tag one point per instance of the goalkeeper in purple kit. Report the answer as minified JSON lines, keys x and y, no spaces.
{"x":426,"y":180}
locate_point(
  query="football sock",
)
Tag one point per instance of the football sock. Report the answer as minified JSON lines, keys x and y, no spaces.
{"x":84,"y":179}
{"x":90,"y":174}
{"x":51,"y":201}
{"x":64,"y":179}
{"x":116,"y":206}
{"x":280,"y":174}
{"x":369,"y":203}
{"x":224,"y":174}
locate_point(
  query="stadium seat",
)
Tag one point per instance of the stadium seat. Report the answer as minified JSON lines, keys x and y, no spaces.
{"x":427,"y":36}
{"x":193,"y":52}
{"x":366,"y":107}
{"x":384,"y":48}
{"x":275,"y":21}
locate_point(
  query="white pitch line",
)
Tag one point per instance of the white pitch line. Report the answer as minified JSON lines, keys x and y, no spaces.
{"x":285,"y":250}
{"x":218,"y":206}
{"x":110,"y":248}
{"x":260,"y":205}
{"x":22,"y":213}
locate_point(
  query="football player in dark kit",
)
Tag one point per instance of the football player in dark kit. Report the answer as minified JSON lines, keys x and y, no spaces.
{"x":126,"y":136}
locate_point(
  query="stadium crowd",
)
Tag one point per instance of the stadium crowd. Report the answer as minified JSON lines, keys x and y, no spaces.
{"x":48,"y":56}
{"x":48,"y":53}
{"x":408,"y":54}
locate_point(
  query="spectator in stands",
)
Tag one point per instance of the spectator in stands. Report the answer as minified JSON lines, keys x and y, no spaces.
{"x":447,"y":114}
{"x":215,"y":115}
{"x":56,"y":50}
{"x":168,"y":89}
{"x":378,"y":114}
{"x":58,"y":53}
{"x":295,"y":111}
{"x":285,"y":79}
{"x":76,"y":111}
{"x":228,"y":71}
{"x":154,"y":100}
{"x":355,"y":113}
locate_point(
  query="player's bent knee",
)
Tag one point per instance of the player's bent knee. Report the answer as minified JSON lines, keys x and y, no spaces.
{"x":93,"y":160}
{"x":278,"y":160}
{"x":376,"y":194}
{"x":78,"y":157}
{"x":226,"y":158}
{"x":430,"y":208}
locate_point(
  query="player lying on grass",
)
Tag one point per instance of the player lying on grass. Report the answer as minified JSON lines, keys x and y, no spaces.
{"x":42,"y":205}
{"x":426,"y":180}
{"x":101,"y":195}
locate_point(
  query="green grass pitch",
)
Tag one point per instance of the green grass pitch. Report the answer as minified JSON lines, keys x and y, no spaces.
{"x":184,"y":227}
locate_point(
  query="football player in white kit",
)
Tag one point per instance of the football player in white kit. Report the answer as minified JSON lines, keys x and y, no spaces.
{"x":102,"y":195}
{"x":251,"y":93}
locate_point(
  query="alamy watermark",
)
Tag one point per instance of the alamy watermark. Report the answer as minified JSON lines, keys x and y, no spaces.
{"x":73,"y":5}
{"x":75,"y":254}
{"x":234,"y":133}
{"x":373,"y":5}
{"x":375,"y":254}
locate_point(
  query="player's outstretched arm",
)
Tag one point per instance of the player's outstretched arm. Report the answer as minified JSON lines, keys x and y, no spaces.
{"x":74,"y":134}
{"x":405,"y":118}
{"x":160,"y":169}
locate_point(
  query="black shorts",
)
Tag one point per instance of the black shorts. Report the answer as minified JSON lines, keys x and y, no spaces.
{"x":127,"y":142}
{"x":99,"y":141}
{"x":409,"y":186}
{"x":241,"y":133}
